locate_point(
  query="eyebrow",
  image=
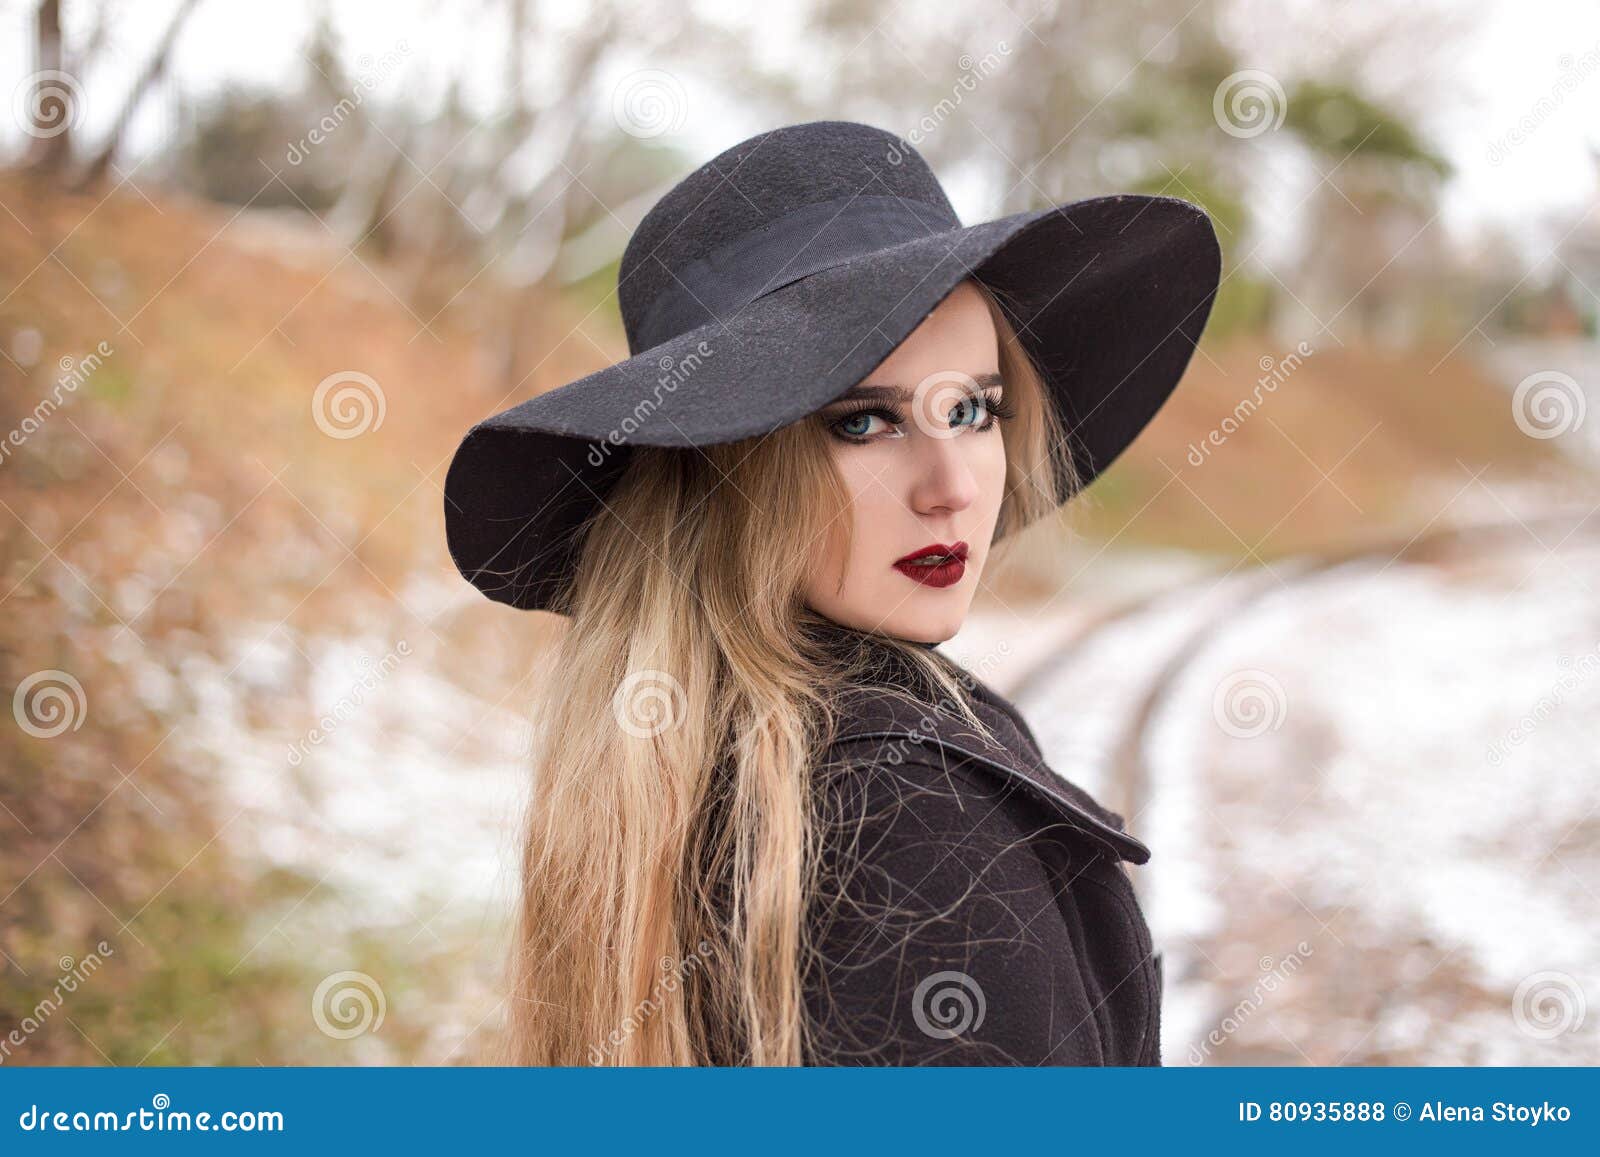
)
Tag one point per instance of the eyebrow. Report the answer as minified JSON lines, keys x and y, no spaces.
{"x":902,"y":394}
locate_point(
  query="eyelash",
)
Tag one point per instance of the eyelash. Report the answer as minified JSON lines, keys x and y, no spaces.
{"x":995,"y":404}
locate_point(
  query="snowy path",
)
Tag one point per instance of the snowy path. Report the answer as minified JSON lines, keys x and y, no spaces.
{"x":1373,"y":804}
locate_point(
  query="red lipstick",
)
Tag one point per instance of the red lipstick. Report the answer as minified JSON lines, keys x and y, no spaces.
{"x":935,"y":566}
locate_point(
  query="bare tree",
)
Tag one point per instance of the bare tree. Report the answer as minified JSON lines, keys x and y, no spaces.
{"x":153,"y":70}
{"x":52,"y":144}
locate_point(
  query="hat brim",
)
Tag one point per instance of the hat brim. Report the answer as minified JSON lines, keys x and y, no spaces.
{"x":1109,"y":296}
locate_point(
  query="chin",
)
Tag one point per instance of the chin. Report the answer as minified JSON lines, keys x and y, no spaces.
{"x":943,"y":616}
{"x":932,"y":628}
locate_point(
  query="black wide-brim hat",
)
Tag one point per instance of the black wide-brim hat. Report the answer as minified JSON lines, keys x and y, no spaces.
{"x":781,"y":273}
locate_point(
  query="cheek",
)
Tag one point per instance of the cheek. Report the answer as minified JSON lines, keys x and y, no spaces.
{"x":868,"y":480}
{"x":990,"y":470}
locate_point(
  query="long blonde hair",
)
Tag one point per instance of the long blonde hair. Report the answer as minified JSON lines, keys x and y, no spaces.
{"x":671,"y":847}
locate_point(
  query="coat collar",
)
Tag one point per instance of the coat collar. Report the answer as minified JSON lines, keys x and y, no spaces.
{"x":900,"y":706}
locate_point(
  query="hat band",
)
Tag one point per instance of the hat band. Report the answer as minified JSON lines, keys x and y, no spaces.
{"x":815,"y":237}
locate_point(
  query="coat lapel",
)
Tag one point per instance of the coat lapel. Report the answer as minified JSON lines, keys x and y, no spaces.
{"x":874,"y":714}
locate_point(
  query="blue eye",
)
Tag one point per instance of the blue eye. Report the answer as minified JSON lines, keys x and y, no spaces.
{"x":857,"y":425}
{"x":970,"y":406}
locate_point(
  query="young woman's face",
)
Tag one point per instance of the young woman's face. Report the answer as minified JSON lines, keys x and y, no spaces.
{"x":918,"y":444}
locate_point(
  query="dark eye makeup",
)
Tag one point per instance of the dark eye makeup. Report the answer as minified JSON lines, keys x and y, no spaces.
{"x":994,"y":404}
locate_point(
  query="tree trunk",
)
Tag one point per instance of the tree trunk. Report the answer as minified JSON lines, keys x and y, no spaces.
{"x":52,"y":104}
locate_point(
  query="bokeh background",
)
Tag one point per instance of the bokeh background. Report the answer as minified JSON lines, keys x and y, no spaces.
{"x":1327,"y":635}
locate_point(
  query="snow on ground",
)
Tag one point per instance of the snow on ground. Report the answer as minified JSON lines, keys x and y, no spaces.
{"x":400,"y":809}
{"x":400,"y":785}
{"x":1373,"y":808}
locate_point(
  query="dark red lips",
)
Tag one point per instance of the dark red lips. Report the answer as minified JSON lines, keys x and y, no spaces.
{"x":937,"y":565}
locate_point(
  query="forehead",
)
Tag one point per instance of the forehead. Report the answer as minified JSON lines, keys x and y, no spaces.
{"x":958,"y":335}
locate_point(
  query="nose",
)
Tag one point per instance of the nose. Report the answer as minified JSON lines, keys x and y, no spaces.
{"x":944,"y":482}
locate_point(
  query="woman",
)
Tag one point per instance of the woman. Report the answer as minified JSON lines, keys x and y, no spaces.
{"x":769,"y":823}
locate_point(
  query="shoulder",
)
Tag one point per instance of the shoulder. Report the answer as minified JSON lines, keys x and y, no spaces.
{"x":932,"y":934}
{"x":880,"y":731}
{"x":936,"y":935}
{"x":935,"y":714}
{"x":905,"y":792}
{"x":948,"y":925}
{"x":879,"y":775}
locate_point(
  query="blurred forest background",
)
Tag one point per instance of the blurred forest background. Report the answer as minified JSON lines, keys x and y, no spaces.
{"x":1327,"y":634}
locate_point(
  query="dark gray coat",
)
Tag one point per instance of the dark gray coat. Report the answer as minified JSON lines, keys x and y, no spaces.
{"x":974,"y":907}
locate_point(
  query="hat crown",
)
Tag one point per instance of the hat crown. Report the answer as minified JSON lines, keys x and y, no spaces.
{"x":754,"y":184}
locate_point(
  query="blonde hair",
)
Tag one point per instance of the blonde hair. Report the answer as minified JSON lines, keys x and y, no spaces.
{"x":671,"y":841}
